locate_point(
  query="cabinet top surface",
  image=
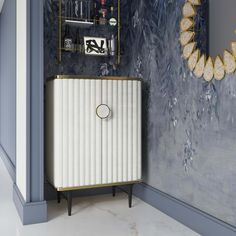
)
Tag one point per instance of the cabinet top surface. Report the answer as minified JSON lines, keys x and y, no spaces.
{"x":93,"y":77}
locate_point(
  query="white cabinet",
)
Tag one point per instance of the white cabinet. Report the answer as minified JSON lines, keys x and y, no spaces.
{"x":93,"y":131}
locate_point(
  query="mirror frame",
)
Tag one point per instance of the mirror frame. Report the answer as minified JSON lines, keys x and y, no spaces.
{"x":208,"y":68}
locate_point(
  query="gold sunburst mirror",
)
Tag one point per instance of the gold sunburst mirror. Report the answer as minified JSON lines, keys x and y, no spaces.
{"x":219,"y":55}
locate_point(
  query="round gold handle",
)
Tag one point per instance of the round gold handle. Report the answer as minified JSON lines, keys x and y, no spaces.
{"x":103,"y":111}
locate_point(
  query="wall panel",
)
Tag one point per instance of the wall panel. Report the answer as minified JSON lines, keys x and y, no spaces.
{"x":8,"y":79}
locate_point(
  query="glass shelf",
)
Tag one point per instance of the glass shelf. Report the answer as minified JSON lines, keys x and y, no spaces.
{"x":83,"y":53}
{"x":85,"y":23}
{"x":80,"y":23}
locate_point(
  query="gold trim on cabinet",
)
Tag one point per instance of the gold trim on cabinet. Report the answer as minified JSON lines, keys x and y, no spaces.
{"x":94,"y":77}
{"x":61,"y":189}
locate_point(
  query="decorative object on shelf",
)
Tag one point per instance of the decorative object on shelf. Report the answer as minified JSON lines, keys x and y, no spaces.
{"x":112,"y":45}
{"x":82,"y":9}
{"x":102,"y":18}
{"x":95,"y":46}
{"x":77,"y":9}
{"x":69,"y":6}
{"x":68,"y":41}
{"x":95,"y":16}
{"x":78,"y":43}
{"x":103,"y":13}
{"x":201,"y":64}
{"x":93,"y":136}
{"x":112,"y":20}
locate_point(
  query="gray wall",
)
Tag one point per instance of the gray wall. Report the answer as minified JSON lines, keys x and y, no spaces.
{"x":8,"y":78}
{"x":189,"y":125}
{"x":222,"y":25}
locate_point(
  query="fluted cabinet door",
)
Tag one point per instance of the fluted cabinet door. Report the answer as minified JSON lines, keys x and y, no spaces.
{"x":73,"y":132}
{"x":121,"y":132}
{"x":86,"y":147}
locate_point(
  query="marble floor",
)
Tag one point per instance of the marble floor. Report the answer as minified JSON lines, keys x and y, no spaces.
{"x":92,"y":216}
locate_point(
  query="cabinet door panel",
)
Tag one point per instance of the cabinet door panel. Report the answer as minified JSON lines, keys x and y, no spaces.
{"x":121,"y":132}
{"x":106,"y":135}
{"x":76,"y":151}
{"x":89,"y":133}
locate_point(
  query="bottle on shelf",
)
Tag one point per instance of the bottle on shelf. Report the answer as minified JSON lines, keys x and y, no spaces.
{"x":68,"y":41}
{"x":81,"y":9}
{"x":77,"y":41}
{"x":102,"y":19}
{"x":88,"y":10}
{"x":112,"y":45}
{"x":103,"y":13}
{"x":81,"y":44}
{"x":69,"y":9}
{"x":76,"y":9}
{"x":95,"y":16}
{"x":85,"y":8}
{"x":103,"y":4}
{"x":112,"y":21}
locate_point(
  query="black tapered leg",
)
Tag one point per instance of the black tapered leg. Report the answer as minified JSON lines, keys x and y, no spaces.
{"x":113,"y":191}
{"x":130,"y":195}
{"x":69,"y":202}
{"x":58,"y":197}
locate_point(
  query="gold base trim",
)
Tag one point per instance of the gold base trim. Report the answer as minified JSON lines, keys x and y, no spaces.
{"x":60,"y":189}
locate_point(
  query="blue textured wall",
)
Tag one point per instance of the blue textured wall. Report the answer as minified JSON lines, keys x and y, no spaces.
{"x":8,"y":78}
{"x":189,"y":125}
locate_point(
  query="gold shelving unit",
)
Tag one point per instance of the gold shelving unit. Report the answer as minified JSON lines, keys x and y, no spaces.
{"x":86,"y":24}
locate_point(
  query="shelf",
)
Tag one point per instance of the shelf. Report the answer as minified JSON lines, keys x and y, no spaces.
{"x":92,"y":29}
{"x":80,"y":23}
{"x":83,"y":53}
{"x":84,"y":23}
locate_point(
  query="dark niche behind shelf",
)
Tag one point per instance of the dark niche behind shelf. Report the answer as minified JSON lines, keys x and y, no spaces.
{"x":73,"y":62}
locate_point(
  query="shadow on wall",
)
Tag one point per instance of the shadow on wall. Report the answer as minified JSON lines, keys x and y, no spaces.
{"x":145,"y":122}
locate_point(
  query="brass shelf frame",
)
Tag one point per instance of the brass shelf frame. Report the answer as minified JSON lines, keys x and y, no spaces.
{"x":61,"y":18}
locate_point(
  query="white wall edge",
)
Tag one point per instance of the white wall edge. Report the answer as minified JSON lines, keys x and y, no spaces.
{"x":22,"y":94}
{"x":1,"y":5}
